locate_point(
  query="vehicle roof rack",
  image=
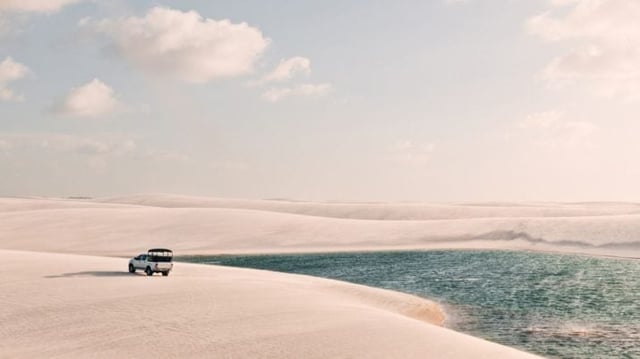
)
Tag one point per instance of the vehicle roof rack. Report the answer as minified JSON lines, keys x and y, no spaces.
{"x":160,"y":250}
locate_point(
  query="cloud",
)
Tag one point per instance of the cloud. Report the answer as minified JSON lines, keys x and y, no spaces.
{"x":546,"y":119}
{"x":95,"y":148}
{"x":4,"y":25}
{"x":276,"y":94}
{"x":605,"y":45}
{"x":184,"y":45}
{"x":11,"y":10}
{"x":410,"y":153}
{"x":93,"y":99}
{"x":44,"y":6}
{"x":553,"y":130}
{"x":95,"y":152}
{"x":10,"y":71}
{"x":288,"y":68}
{"x":69,"y":144}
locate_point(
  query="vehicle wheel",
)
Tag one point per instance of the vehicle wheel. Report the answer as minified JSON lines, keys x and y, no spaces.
{"x":164,"y":274}
{"x":148,"y":271}
{"x":132,"y":269}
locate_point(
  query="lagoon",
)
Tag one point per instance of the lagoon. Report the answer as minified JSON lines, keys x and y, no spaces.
{"x":555,"y":305}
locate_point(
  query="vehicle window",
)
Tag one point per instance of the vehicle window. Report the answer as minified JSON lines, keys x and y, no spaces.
{"x":143,"y":257}
{"x":137,"y":258}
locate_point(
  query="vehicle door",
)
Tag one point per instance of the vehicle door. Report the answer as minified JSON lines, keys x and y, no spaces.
{"x":140,"y":261}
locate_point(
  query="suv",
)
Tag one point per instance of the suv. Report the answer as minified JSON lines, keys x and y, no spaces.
{"x":156,"y":260}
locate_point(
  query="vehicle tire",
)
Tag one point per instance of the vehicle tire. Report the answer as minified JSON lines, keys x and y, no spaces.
{"x":132,"y":269}
{"x":148,"y":271}
{"x":164,"y":274}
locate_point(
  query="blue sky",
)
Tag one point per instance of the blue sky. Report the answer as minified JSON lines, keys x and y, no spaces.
{"x":435,"y":100}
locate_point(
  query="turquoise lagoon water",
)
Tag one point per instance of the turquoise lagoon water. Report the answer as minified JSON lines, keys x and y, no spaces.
{"x":559,"y":306}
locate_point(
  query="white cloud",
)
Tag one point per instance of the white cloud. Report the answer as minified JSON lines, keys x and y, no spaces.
{"x":11,"y":70}
{"x":96,"y":152}
{"x":70,"y":144}
{"x":546,"y":119}
{"x":605,"y":45}
{"x":93,"y":99}
{"x":229,"y":165}
{"x":11,"y":10}
{"x":288,"y":68}
{"x":552,"y":129}
{"x":276,"y":94}
{"x":97,"y":147}
{"x":4,"y":24}
{"x":34,"y":5}
{"x":184,"y":45}
{"x":411,"y":153}
{"x":4,"y":146}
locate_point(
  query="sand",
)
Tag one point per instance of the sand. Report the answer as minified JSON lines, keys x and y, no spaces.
{"x":57,"y":305}
{"x":61,"y":296}
{"x":126,"y":225}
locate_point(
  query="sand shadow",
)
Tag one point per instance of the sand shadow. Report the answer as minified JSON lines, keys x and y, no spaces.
{"x":96,"y":274}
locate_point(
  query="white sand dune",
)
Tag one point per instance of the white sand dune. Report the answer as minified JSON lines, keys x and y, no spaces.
{"x":57,"y":305}
{"x":387,"y":211}
{"x":80,"y":306}
{"x":126,"y":225}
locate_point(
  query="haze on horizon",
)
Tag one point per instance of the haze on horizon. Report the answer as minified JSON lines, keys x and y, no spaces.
{"x":440,"y":100}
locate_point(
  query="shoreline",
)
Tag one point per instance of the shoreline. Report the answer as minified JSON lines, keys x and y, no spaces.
{"x":420,"y":249}
{"x":315,"y":317}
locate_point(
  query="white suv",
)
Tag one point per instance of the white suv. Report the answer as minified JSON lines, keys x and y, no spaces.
{"x":156,"y":260}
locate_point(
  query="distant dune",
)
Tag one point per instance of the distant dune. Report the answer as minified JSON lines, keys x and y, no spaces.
{"x":196,"y":225}
{"x":388,"y":211}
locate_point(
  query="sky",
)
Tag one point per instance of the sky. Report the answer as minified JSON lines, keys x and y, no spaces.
{"x":408,"y":100}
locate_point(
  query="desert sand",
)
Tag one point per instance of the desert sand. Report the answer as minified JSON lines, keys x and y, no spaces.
{"x":56,"y":305}
{"x":195,"y":225}
{"x":63,"y":296}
